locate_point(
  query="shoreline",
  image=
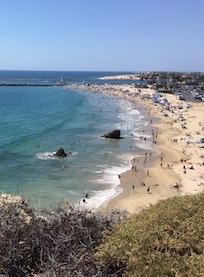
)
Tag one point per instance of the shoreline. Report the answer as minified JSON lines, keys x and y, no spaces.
{"x":174,"y":165}
{"x":128,"y":161}
{"x":165,"y":174}
{"x":165,"y":177}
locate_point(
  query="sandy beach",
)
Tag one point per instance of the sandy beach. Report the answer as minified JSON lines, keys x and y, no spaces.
{"x":177,"y":128}
{"x":122,"y":77}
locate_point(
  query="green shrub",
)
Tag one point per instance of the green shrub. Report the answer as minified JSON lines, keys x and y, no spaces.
{"x":166,"y":239}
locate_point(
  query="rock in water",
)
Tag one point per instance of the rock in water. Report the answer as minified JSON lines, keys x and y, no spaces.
{"x":115,"y":134}
{"x":60,"y":153}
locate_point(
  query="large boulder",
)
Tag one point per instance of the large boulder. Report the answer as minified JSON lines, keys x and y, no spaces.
{"x":115,"y":134}
{"x":60,"y":153}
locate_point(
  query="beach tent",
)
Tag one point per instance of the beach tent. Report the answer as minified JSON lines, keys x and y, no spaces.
{"x":155,"y":99}
{"x":164,"y":100}
{"x":201,"y":141}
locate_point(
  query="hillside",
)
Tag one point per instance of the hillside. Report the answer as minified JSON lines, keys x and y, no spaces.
{"x":166,"y":239}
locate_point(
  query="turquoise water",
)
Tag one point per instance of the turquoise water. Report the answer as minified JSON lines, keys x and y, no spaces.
{"x":36,"y":121}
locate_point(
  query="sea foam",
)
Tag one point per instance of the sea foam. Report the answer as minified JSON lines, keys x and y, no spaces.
{"x":46,"y":156}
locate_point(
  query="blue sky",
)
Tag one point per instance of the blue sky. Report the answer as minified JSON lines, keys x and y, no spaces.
{"x":102,"y":35}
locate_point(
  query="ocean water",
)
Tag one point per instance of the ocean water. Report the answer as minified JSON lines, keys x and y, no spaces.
{"x":38,"y":120}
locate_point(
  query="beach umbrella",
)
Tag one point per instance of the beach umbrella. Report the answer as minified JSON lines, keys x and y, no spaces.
{"x":202,"y":175}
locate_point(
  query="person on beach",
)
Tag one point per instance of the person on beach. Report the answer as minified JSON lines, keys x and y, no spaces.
{"x":148,"y":189}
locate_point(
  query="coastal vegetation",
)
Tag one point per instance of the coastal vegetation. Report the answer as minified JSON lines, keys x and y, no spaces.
{"x":167,"y":239}
{"x":59,"y":243}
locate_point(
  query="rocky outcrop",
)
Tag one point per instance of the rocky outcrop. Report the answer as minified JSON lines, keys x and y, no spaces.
{"x":14,"y":209}
{"x":60,"y":153}
{"x":115,"y":134}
